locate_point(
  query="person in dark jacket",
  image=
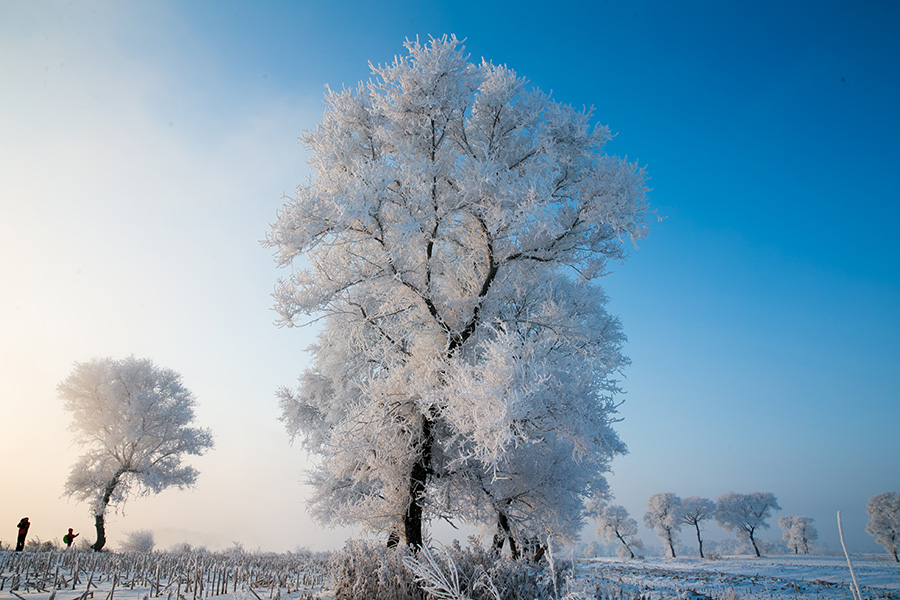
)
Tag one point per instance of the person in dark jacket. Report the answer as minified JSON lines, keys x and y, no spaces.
{"x":69,"y":538}
{"x":23,"y":531}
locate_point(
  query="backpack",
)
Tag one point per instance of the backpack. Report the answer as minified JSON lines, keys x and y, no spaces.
{"x":67,"y":539}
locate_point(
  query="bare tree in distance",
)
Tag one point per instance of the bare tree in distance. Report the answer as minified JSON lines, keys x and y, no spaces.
{"x":799,"y":532}
{"x":695,"y":510}
{"x":664,"y":517}
{"x":884,"y":521}
{"x":457,"y":221}
{"x":133,"y":418}
{"x":744,"y":514}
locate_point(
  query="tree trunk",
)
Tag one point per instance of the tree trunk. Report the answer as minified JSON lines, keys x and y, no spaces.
{"x":755,"y":547}
{"x":505,"y":533}
{"x":539,"y":551}
{"x":412,"y":520}
{"x":98,"y":519}
{"x":699,"y":540}
{"x":624,"y":543}
{"x":671,"y":543}
{"x":418,"y":479}
{"x":101,"y":533}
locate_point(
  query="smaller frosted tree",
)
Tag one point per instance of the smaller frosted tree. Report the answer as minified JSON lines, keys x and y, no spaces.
{"x":134,"y":420}
{"x":798,"y":532}
{"x":744,"y":514}
{"x":663,"y":516}
{"x":884,"y":521}
{"x":694,"y":510}
{"x":615,"y":525}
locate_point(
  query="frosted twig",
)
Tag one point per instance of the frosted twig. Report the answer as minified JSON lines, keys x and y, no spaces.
{"x":855,"y":589}
{"x":434,"y":580}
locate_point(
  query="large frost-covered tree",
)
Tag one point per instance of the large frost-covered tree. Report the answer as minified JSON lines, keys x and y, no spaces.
{"x":695,"y":510}
{"x":450,"y":242}
{"x":663,"y":516}
{"x":798,"y":532}
{"x":884,"y":521}
{"x":744,"y":514}
{"x":134,"y":420}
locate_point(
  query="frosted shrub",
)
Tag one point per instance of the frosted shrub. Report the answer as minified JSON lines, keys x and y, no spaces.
{"x":138,"y":541}
{"x":181,"y":548}
{"x":35,"y":544}
{"x":363,"y":570}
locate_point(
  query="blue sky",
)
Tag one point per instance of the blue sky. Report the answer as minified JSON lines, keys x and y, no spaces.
{"x":144,"y":148}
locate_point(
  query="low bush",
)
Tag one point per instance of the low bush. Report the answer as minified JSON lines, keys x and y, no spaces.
{"x":367,"y":570}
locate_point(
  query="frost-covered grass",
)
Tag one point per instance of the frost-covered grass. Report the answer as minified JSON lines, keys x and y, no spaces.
{"x":369,"y":571}
{"x":74,"y":575}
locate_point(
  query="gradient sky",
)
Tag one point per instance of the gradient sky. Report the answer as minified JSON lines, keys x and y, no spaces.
{"x":144,"y":147}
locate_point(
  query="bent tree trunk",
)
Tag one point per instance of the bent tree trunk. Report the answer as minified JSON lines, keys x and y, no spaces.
{"x":101,"y":533}
{"x":624,"y":543}
{"x":99,"y":523}
{"x":755,"y":547}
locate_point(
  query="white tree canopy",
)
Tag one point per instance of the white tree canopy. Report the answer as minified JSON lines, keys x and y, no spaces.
{"x":663,"y":516}
{"x":615,"y":525}
{"x":884,"y":521}
{"x":744,"y":514}
{"x":134,"y":421}
{"x":798,"y":532}
{"x":141,"y":541}
{"x":451,"y":240}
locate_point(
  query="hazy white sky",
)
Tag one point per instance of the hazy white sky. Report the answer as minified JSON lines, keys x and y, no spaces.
{"x":144,"y":148}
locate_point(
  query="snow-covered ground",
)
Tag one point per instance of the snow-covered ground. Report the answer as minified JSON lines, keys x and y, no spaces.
{"x":286,"y":577}
{"x":750,"y":578}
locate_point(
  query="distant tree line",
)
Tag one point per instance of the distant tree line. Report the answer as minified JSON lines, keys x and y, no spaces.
{"x":741,"y":514}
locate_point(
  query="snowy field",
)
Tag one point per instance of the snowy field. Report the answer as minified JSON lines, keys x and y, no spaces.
{"x":749,"y":578}
{"x":49,"y":576}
